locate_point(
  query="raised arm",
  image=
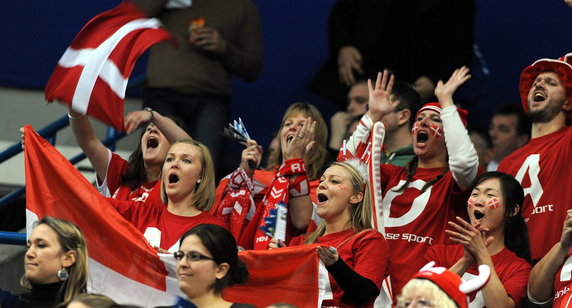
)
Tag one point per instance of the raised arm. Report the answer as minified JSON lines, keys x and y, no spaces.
{"x":93,"y":148}
{"x":541,"y":280}
{"x":463,"y":158}
{"x":167,"y":126}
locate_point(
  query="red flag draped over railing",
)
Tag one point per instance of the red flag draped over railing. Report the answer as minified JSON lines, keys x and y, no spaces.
{"x":92,"y":74}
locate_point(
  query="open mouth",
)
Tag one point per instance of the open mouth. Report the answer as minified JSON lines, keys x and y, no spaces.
{"x":289,"y":138}
{"x":322,"y":198}
{"x":152,"y":142}
{"x":478,"y":215}
{"x":539,"y":97}
{"x":422,"y":136}
{"x":173,"y":178}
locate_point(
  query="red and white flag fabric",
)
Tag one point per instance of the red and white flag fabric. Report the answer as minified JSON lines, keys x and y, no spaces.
{"x":92,"y":74}
{"x":126,"y":268}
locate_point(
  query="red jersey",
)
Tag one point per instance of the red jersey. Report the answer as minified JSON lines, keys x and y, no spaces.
{"x":512,"y":270}
{"x":413,"y":220}
{"x":543,"y":167}
{"x":159,"y":226}
{"x":365,"y":252}
{"x":111,"y":186}
{"x":562,"y":281}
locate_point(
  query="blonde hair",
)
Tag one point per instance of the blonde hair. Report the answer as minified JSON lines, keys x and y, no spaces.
{"x":318,"y":153}
{"x":360,"y":218}
{"x":94,"y":300}
{"x":437,"y":296}
{"x":70,"y":238}
{"x":204,"y":194}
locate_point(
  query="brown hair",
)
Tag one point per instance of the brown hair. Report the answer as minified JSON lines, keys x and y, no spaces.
{"x":318,"y":153}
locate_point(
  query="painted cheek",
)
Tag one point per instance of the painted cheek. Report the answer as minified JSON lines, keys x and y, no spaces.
{"x":436,"y":130}
{"x":493,"y":203}
{"x":415,"y":128}
{"x":470,"y":203}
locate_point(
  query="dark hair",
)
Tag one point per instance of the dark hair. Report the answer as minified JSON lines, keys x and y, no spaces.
{"x":222,"y":246}
{"x":515,"y":230}
{"x":484,"y":137}
{"x":523,"y":125}
{"x":408,"y":99}
{"x":411,"y":168}
{"x":135,"y":175}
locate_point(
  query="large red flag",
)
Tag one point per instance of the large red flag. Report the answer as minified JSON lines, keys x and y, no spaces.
{"x":126,"y":268}
{"x":92,"y":74}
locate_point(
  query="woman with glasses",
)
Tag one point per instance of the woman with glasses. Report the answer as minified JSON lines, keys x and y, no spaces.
{"x":208,"y":262}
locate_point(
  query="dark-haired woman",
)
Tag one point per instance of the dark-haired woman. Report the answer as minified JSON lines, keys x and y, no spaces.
{"x":136,"y":179}
{"x":420,"y":198}
{"x":208,"y":262}
{"x":496,"y":236}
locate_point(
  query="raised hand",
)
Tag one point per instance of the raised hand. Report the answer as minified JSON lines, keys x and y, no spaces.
{"x":135,"y":119}
{"x":251,"y":157}
{"x":380,"y":96}
{"x":303,"y":142}
{"x":444,"y":91}
{"x":472,"y":237}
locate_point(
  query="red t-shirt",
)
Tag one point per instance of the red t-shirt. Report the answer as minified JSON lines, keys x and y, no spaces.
{"x":562,"y":281}
{"x":544,"y":168}
{"x":112,"y":187}
{"x":413,"y":220}
{"x":512,"y":270}
{"x":161,"y":227}
{"x":365,"y":252}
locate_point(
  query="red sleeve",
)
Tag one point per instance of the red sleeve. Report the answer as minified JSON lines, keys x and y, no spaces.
{"x":125,"y":208}
{"x":372,"y":258}
{"x":515,"y":285}
{"x":117,"y":167}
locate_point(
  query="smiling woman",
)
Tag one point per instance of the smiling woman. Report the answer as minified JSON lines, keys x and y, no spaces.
{"x":187,"y":188}
{"x":496,"y":236}
{"x":208,"y":262}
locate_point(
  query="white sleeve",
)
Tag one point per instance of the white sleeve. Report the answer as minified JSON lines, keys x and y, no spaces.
{"x":463,"y":158}
{"x":360,"y":135}
{"x":102,"y":187}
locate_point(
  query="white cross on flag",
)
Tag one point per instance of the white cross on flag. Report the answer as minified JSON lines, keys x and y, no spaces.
{"x":92,"y":74}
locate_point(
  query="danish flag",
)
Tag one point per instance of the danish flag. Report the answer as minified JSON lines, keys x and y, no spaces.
{"x":92,"y":74}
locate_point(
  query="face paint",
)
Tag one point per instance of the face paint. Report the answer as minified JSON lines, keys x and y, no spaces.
{"x":493,"y":203}
{"x":415,"y":128}
{"x":470,"y":203}
{"x":436,"y":130}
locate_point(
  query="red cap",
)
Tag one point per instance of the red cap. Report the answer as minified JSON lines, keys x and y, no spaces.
{"x":562,"y":67}
{"x":437,"y":108}
{"x":452,"y":284}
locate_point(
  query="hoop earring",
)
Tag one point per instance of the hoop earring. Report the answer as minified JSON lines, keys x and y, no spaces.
{"x":63,"y":274}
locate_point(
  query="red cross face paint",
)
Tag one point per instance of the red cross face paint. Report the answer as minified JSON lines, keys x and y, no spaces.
{"x":415,"y":128}
{"x":470,"y":203}
{"x":436,"y":130}
{"x":493,"y":203}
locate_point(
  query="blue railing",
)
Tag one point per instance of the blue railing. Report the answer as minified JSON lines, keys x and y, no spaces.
{"x":49,"y":133}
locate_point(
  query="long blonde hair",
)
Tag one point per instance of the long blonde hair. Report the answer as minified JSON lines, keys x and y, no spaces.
{"x":70,"y":238}
{"x":204,"y":195}
{"x":318,"y":153}
{"x":361,"y":212}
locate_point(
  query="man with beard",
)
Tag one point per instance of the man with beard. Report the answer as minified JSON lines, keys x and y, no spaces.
{"x":543,"y":165}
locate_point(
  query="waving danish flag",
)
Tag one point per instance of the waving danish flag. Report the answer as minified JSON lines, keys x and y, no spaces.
{"x":92,"y":74}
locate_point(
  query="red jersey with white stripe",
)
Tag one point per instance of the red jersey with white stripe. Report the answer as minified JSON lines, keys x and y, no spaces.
{"x":415,"y":220}
{"x":544,"y":168}
{"x":364,"y":252}
{"x":512,"y":270}
{"x":562,"y":284}
{"x":159,"y":226}
{"x":112,"y":187}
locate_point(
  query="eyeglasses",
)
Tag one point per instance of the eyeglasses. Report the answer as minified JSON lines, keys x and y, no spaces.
{"x":417,"y":303}
{"x":191,"y":256}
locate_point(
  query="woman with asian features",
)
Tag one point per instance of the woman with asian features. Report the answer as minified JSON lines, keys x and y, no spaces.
{"x":355,"y":255}
{"x":496,"y":236}
{"x":292,"y":178}
{"x":419,"y":199}
{"x":55,"y":264}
